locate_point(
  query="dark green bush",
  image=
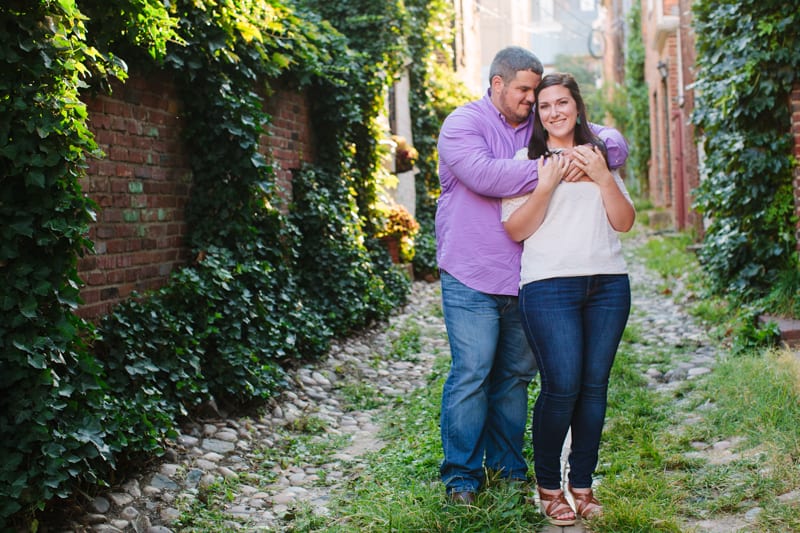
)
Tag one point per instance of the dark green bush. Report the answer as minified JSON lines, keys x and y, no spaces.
{"x":747,"y":61}
{"x":221,"y":327}
{"x":49,"y":385}
{"x":425,"y":264}
{"x":75,"y":400}
{"x":350,"y":289}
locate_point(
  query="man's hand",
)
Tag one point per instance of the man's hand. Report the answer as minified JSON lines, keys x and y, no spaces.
{"x":574,"y":172}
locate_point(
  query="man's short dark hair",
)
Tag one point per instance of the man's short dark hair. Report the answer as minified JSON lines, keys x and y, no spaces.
{"x":510,"y":60}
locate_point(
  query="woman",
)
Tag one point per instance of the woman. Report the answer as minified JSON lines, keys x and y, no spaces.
{"x":574,"y":291}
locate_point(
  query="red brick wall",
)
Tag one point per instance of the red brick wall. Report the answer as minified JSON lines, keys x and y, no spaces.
{"x":795,"y":107}
{"x":663,"y":108}
{"x":689,"y":160}
{"x":142,"y":185}
{"x":291,"y":139}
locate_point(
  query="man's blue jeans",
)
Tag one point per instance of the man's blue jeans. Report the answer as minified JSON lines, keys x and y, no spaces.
{"x":485,"y":397}
{"x":574,"y":326}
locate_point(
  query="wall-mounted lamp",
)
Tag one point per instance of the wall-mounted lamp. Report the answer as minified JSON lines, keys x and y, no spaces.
{"x":663,"y":70}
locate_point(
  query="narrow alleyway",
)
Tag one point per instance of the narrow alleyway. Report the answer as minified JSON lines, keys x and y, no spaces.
{"x":214,"y":449}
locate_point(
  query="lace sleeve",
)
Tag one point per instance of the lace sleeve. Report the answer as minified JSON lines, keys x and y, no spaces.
{"x":512,"y":204}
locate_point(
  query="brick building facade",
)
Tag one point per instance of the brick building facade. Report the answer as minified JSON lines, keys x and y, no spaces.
{"x":676,"y":154}
{"x":143,"y":183}
{"x":669,"y":72}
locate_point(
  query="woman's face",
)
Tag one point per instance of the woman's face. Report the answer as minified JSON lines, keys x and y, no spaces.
{"x":558,"y":111}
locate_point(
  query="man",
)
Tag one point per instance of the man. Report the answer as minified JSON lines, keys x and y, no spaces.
{"x":484,"y":401}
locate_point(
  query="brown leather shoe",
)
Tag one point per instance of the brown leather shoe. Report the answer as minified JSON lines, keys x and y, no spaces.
{"x":462,"y":497}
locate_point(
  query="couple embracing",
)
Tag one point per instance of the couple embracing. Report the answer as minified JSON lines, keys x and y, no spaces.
{"x":532,"y":278}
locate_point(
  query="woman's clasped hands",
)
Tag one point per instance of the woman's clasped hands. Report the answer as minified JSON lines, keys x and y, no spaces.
{"x":581,"y":163}
{"x":590,"y":160}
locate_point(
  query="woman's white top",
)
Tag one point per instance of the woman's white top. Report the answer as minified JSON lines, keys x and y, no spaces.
{"x":575,"y":238}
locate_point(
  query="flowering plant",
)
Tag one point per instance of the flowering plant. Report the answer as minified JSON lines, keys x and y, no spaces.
{"x":399,"y":226}
{"x":405,"y":155}
{"x":398,"y":223}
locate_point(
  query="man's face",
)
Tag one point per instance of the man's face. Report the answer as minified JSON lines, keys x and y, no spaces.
{"x":515,"y":99}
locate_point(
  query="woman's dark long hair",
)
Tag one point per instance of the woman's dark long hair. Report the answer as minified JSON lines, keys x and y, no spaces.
{"x":583,"y":133}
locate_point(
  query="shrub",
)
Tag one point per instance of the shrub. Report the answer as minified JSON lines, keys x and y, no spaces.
{"x":746,"y":67}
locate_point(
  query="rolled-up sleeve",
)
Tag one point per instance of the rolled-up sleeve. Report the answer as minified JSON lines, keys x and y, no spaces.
{"x":616,"y":146}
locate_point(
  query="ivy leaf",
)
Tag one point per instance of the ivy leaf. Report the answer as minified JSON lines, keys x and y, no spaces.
{"x":281,"y":60}
{"x":35,"y":178}
{"x":765,"y":27}
{"x":68,"y":7}
{"x":23,"y":227}
{"x":28,"y":306}
{"x":37,"y":360}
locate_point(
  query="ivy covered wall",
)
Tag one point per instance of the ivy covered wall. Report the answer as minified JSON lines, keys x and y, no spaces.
{"x":268,"y":284}
{"x":142,"y":183}
{"x":141,"y":187}
{"x":747,"y":64}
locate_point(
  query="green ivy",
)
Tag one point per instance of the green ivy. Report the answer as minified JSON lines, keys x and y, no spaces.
{"x":637,"y":117}
{"x":228,"y":325}
{"x":747,"y":61}
{"x":374,"y":33}
{"x":49,"y":383}
{"x":630,"y":108}
{"x":221,"y":327}
{"x":435,"y":92}
{"x":365,"y":289}
{"x":131,"y":27}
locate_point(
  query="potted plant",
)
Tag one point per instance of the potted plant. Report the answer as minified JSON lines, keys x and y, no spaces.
{"x":397,"y":232}
{"x":405,"y":155}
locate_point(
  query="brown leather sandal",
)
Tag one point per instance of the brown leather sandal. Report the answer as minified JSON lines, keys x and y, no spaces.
{"x":584,"y":500}
{"x":555,"y":505}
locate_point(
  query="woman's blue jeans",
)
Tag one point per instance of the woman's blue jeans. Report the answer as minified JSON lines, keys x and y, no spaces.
{"x":485,"y":397}
{"x":574,"y":326}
